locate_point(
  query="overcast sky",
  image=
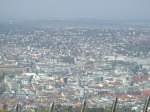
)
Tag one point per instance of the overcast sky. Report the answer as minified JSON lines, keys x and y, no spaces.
{"x":46,"y":9}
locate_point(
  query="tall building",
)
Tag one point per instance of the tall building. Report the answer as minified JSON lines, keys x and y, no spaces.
{"x":78,"y":80}
{"x":3,"y":83}
{"x":65,"y":80}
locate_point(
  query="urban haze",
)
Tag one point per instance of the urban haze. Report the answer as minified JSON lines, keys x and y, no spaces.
{"x":74,"y":55}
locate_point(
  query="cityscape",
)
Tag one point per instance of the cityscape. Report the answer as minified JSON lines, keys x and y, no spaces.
{"x":67,"y":62}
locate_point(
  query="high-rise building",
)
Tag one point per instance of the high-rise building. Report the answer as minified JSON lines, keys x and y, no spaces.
{"x":65,"y":80}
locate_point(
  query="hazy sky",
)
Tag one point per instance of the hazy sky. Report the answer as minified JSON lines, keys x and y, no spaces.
{"x":103,"y":9}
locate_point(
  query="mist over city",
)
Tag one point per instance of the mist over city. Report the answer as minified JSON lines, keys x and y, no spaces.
{"x":74,"y":56}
